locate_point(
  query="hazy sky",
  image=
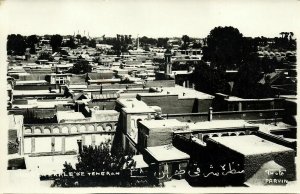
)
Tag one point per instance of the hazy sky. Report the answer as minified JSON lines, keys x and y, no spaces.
{"x":149,"y":17}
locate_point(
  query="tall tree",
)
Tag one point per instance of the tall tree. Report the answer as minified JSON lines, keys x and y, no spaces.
{"x":31,"y":41}
{"x":81,"y":67}
{"x":55,"y":42}
{"x":247,"y":83}
{"x":209,"y":80}
{"x":162,"y":42}
{"x":16,"y":44}
{"x":186,"y":41}
{"x":71,"y":43}
{"x":224,"y":48}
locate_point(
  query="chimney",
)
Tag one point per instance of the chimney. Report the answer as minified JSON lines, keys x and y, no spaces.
{"x":149,"y":116}
{"x":79,"y":142}
{"x":210,"y":114}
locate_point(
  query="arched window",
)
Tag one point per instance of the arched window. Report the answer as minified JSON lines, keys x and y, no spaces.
{"x":27,"y":131}
{"x":37,"y":131}
{"x":99,"y":128}
{"x":55,"y":130}
{"x":224,"y":134}
{"x":47,"y":131}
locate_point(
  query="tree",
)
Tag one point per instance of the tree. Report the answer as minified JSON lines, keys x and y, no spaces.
{"x":16,"y":44}
{"x":78,"y":36}
{"x":84,"y":40}
{"x":162,"y":42}
{"x":55,"y":42}
{"x":209,"y":80}
{"x":224,"y":48}
{"x":186,"y":41}
{"x":31,"y":41}
{"x":120,"y":44}
{"x":145,"y":41}
{"x":71,"y":43}
{"x":247,"y":80}
{"x":81,"y":67}
{"x":92,"y":43}
{"x":197,"y":45}
{"x":45,"y":56}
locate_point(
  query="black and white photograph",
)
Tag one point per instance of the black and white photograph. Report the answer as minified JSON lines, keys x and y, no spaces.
{"x":149,"y":96}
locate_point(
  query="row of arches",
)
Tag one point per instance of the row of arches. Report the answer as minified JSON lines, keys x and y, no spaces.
{"x":209,"y":135}
{"x":107,"y":127}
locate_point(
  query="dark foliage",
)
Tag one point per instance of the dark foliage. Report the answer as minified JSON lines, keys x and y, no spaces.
{"x":81,"y":67}
{"x":100,"y":159}
{"x":56,"y":42}
{"x":162,"y":42}
{"x":16,"y":44}
{"x":92,"y":43}
{"x":70,"y":43}
{"x":186,"y":41}
{"x":246,"y":84}
{"x":45,"y":56}
{"x":32,"y":40}
{"x":226,"y":48}
{"x":145,"y":41}
{"x":209,"y":80}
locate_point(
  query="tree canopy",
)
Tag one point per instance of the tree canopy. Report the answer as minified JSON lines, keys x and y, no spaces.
{"x":226,"y":48}
{"x":31,"y":41}
{"x":81,"y":67}
{"x":246,"y":84}
{"x":162,"y":42}
{"x":16,"y":44}
{"x":186,"y":41}
{"x":55,"y":42}
{"x":209,"y":80}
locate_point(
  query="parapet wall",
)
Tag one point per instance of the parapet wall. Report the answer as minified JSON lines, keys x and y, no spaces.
{"x":229,"y":115}
{"x":170,"y":104}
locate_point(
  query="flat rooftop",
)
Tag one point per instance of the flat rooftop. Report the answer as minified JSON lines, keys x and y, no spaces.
{"x":77,"y":86}
{"x":132,"y":105}
{"x":237,"y":99}
{"x":219,"y":124}
{"x":31,"y":82}
{"x":249,"y":144}
{"x":35,"y":92}
{"x":166,"y":153}
{"x":63,"y":116}
{"x":162,"y":124}
{"x":182,"y":92}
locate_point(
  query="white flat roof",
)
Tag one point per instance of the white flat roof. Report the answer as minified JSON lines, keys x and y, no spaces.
{"x":34,"y":92}
{"x":31,"y":82}
{"x":139,"y":110}
{"x":182,"y":92}
{"x":167,"y":153}
{"x":69,"y":115}
{"x":217,"y":124}
{"x":72,"y":86}
{"x":250,"y":144}
{"x":132,"y":103}
{"x":158,"y":124}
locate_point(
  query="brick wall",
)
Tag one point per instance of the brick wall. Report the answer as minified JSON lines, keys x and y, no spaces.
{"x":170,"y":104}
